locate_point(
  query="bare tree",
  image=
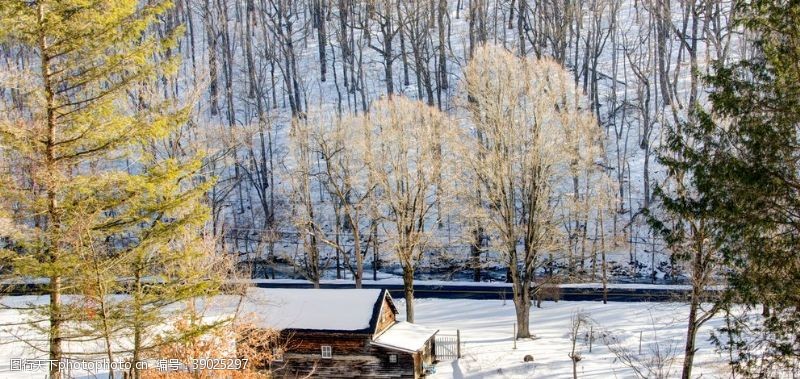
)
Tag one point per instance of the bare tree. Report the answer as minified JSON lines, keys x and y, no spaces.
{"x":417,"y":27}
{"x":283,"y":17}
{"x":387,"y":19}
{"x":346,"y":179}
{"x":300,"y":177}
{"x":318,"y":11}
{"x":530,"y":128}
{"x":211,"y":40}
{"x":579,"y":320}
{"x":402,"y":148}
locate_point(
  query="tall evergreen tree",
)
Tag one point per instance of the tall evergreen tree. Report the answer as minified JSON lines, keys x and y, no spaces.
{"x":751,"y":180}
{"x":78,"y":207}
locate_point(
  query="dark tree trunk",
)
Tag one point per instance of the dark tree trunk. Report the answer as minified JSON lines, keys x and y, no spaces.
{"x":53,"y":222}
{"x":212,"y":58}
{"x":522,"y":309}
{"x":248,"y":48}
{"x":523,"y":9}
{"x":691,"y":336}
{"x":408,"y":291}
{"x":403,"y":50}
{"x":475,"y":253}
{"x":376,"y":262}
{"x":347,"y":57}
{"x":522,"y":296}
{"x":322,"y":37}
{"x":442,"y":57}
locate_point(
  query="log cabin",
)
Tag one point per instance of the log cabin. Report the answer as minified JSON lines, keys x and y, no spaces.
{"x":341,"y":333}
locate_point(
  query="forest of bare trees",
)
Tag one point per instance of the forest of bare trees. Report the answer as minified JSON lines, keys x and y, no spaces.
{"x":267,"y":67}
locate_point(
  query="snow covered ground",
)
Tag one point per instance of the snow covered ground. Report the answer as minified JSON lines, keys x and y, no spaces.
{"x":486,"y":328}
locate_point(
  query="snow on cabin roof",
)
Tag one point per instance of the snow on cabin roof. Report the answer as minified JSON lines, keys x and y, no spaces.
{"x":349,"y":310}
{"x":405,"y":336}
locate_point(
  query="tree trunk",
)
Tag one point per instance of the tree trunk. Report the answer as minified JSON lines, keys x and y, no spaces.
{"x":699,"y":272}
{"x":55,"y":326}
{"x":388,"y":50}
{"x":319,"y":20}
{"x":442,"y":57}
{"x":574,"y":368}
{"x":475,"y":254}
{"x":313,"y":251}
{"x":522,"y":307}
{"x":646,"y":175}
{"x":56,"y":320}
{"x":137,"y":323}
{"x":603,"y":262}
{"x":343,"y":41}
{"x":523,"y":5}
{"x":104,"y":312}
{"x":373,"y":237}
{"x":403,"y":49}
{"x":359,"y":257}
{"x":212,"y":58}
{"x":248,"y":48}
{"x":292,"y":63}
{"x":691,"y":335}
{"x":471,"y":33}
{"x":408,"y":291}
{"x":521,"y":289}
{"x":662,"y":25}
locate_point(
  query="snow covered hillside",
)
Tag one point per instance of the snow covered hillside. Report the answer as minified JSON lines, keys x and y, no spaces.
{"x":263,"y":63}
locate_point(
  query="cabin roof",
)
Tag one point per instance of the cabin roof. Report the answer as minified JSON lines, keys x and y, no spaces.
{"x":405,"y":336}
{"x":316,"y":310}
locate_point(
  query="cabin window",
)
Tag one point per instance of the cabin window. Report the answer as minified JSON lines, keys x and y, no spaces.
{"x":392,"y":358}
{"x":326,"y":351}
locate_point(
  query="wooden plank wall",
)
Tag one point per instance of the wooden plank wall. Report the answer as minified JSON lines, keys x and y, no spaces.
{"x":374,"y":363}
{"x":353,"y":356}
{"x":386,"y":319}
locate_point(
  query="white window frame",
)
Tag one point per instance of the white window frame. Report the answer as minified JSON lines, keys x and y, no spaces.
{"x":392,"y":358}
{"x":326,"y":351}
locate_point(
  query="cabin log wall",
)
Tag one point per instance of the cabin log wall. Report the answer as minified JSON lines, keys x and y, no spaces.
{"x":347,"y":361}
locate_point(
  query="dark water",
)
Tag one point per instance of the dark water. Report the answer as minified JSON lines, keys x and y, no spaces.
{"x":460,"y":274}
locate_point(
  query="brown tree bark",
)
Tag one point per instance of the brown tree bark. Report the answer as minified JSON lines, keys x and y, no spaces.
{"x":212,"y":58}
{"x":54,"y":289}
{"x":408,"y":291}
{"x":322,"y":36}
